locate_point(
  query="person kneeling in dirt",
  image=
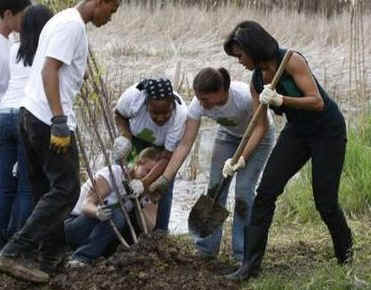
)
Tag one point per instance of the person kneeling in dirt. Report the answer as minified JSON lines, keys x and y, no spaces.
{"x":88,"y":230}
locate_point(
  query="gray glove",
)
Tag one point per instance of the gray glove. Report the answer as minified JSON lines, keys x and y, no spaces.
{"x":60,"y":134}
{"x":121,"y":148}
{"x":103,"y":213}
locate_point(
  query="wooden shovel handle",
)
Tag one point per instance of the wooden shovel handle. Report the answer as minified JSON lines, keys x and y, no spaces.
{"x":260,"y":109}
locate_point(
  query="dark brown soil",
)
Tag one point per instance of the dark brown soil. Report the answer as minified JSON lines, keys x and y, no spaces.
{"x":156,"y":262}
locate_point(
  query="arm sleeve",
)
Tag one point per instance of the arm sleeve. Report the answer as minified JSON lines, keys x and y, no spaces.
{"x":117,"y":173}
{"x":130,"y":102}
{"x":66,"y":40}
{"x":194,"y":109}
{"x":176,"y":131}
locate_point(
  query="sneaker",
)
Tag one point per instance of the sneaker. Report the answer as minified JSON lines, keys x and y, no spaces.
{"x":75,"y":263}
{"x":21,"y":268}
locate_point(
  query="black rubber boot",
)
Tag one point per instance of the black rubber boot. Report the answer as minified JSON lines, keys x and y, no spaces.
{"x":253,"y":253}
{"x":17,"y":259}
{"x":342,"y":241}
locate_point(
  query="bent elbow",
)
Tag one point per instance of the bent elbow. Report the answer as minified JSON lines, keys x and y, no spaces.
{"x":320,"y":105}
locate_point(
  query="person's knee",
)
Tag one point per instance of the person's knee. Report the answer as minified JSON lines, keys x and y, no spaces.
{"x":328,"y":211}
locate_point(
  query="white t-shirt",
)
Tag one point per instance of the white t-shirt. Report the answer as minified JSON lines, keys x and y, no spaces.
{"x":62,"y":38}
{"x":132,"y":105}
{"x":4,"y":65}
{"x":19,"y":75}
{"x":234,"y":116}
{"x":111,"y":198}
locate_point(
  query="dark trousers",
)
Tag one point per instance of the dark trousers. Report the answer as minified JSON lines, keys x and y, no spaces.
{"x":288,"y":157}
{"x":55,"y":184}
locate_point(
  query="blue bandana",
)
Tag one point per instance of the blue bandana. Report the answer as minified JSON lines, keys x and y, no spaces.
{"x":158,"y":89}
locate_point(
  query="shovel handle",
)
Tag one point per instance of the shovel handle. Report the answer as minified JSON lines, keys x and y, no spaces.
{"x":261,"y":108}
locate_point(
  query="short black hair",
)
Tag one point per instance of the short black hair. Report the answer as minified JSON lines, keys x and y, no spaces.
{"x":254,"y":40}
{"x":210,"y":80}
{"x":15,"y":6}
{"x":33,"y":22}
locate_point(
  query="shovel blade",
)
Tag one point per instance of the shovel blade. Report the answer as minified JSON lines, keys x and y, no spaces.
{"x":205,"y":217}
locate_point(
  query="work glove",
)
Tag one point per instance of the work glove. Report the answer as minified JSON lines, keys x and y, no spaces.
{"x":158,"y":187}
{"x":15,"y":170}
{"x":121,"y":148}
{"x":137,"y":187}
{"x":103,"y":213}
{"x":60,"y":134}
{"x":229,"y":169}
{"x":270,"y":97}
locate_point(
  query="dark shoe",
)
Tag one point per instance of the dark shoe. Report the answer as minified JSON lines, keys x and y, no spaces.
{"x":50,"y":263}
{"x":22,"y":268}
{"x":243,"y":273}
{"x":227,"y":269}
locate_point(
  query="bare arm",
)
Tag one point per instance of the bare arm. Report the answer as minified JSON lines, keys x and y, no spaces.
{"x":260,"y":128}
{"x":90,"y":204}
{"x":158,"y":169}
{"x":50,"y":78}
{"x":311,"y":100}
{"x":183,"y":149}
{"x":122,"y":124}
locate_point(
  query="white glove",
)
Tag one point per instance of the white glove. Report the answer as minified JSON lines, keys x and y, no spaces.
{"x":15,"y":170}
{"x":241,"y":163}
{"x":229,"y":169}
{"x":121,"y":148}
{"x":103,"y":213}
{"x":271,"y":97}
{"x":137,"y":186}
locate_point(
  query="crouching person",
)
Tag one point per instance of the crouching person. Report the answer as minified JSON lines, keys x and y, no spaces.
{"x":88,"y":230}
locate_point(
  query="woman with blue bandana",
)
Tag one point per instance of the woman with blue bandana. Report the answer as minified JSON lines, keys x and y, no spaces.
{"x":147,"y":114}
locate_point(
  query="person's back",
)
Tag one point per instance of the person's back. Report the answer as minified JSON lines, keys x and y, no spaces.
{"x":19,"y":76}
{"x":11,"y":13}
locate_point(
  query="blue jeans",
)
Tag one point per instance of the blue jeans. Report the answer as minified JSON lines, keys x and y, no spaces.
{"x":246,"y":181}
{"x":164,"y":209}
{"x":90,"y":237}
{"x":15,"y":193}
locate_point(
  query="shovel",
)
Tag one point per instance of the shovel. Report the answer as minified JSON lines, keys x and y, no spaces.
{"x":207,"y":214}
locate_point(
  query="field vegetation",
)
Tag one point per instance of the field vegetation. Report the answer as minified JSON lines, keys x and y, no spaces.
{"x":178,"y":38}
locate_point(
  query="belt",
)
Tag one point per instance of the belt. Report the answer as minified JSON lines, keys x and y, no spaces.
{"x":8,"y":110}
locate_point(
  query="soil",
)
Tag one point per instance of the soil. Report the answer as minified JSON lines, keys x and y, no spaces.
{"x":158,"y":261}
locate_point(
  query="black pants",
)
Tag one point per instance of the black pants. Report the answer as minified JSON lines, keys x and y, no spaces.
{"x":55,"y":183}
{"x":288,"y":157}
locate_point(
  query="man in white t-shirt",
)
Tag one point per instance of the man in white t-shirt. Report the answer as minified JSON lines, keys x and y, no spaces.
{"x":11,"y":14}
{"x":47,"y":122}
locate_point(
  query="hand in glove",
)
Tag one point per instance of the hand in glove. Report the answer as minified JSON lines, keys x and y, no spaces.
{"x":137,"y":187}
{"x":60,"y":134}
{"x":121,"y":148}
{"x":15,"y":170}
{"x":103,"y":213}
{"x":271,"y":97}
{"x":229,"y":169}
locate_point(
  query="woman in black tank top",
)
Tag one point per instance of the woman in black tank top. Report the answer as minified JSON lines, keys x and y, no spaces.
{"x":315,"y":130}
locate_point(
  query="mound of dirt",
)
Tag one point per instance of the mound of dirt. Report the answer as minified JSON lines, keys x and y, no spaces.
{"x":156,"y":262}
